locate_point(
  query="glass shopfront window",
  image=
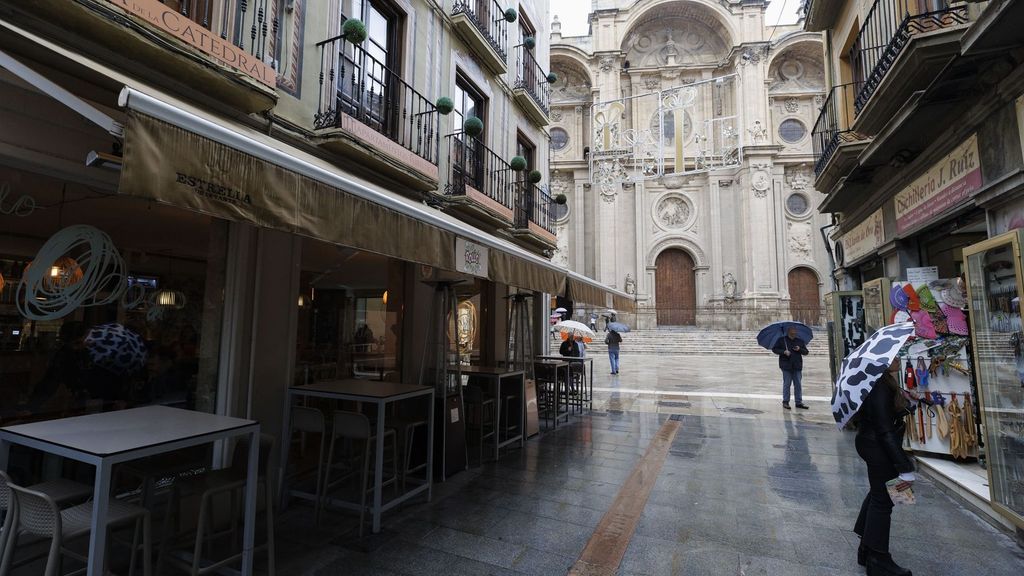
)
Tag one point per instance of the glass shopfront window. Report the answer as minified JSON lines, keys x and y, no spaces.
{"x":351,"y":306}
{"x":106,"y":302}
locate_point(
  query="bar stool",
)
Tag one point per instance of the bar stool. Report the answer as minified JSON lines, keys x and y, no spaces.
{"x":39,"y":516}
{"x":307,"y":420}
{"x":355,"y":427}
{"x":61,"y":491}
{"x":479,"y":416}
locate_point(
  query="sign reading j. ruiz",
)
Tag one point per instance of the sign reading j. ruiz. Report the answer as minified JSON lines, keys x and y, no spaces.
{"x":945,"y":185}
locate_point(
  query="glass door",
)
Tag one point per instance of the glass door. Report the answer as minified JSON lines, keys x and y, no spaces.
{"x":994,"y":288}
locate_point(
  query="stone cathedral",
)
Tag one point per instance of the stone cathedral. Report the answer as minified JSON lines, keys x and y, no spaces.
{"x":682,"y":137}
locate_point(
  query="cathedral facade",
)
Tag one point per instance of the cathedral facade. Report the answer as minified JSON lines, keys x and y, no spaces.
{"x":682,"y":137}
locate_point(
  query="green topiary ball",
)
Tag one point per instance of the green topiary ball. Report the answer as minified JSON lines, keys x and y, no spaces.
{"x":354,"y":30}
{"x":473,"y":126}
{"x":561,"y":199}
{"x":529,"y":42}
{"x":535,"y":176}
{"x":511,"y":15}
{"x":444,"y":105}
{"x":518,"y":163}
{"x":552,"y":77}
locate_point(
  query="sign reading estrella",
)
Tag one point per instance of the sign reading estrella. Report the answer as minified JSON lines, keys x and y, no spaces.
{"x":945,"y":185}
{"x":181,"y":27}
{"x":470,"y":257}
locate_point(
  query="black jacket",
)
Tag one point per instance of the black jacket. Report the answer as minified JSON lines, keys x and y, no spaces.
{"x":569,"y":348}
{"x":795,"y":360}
{"x":881,"y":423}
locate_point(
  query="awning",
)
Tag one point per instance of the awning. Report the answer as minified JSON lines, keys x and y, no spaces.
{"x":229,"y":170}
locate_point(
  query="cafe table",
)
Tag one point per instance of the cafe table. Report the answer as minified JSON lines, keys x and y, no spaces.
{"x":380,"y":394}
{"x":556,"y":366}
{"x":110,"y":438}
{"x":582,"y":361}
{"x":497,"y":377}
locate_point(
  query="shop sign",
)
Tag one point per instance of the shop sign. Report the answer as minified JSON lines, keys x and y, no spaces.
{"x":470,"y":257}
{"x":182,"y":28}
{"x":922,"y":275}
{"x":943,"y":186}
{"x":864,"y":239}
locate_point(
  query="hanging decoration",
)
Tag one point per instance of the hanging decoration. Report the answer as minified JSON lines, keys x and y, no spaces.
{"x":95,"y":276}
{"x":168,"y":299}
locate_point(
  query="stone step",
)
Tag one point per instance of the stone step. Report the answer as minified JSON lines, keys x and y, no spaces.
{"x":694,"y":342}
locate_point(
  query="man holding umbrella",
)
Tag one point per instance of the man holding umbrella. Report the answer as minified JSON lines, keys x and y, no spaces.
{"x":791,"y":350}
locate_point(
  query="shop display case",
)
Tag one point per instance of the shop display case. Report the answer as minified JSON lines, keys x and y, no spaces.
{"x":846,"y":324}
{"x":877,"y":309}
{"x":994,"y":282}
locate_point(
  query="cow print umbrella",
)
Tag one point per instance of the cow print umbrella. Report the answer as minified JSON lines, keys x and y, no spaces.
{"x":116,"y":348}
{"x":864,"y":366}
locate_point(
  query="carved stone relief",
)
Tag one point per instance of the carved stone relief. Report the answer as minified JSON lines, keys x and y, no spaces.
{"x":673,"y":41}
{"x":792,"y":105}
{"x":606,"y":63}
{"x":798,"y":69}
{"x":673,"y":212}
{"x":798,"y":177}
{"x":800,"y":244}
{"x":572,"y":83}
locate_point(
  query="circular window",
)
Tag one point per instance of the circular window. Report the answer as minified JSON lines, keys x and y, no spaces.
{"x":559,"y":211}
{"x":668,"y":126}
{"x":792,"y":130}
{"x":559,"y":138}
{"x":797,"y":204}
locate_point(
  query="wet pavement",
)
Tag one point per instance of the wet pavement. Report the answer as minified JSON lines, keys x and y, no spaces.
{"x":745,"y":489}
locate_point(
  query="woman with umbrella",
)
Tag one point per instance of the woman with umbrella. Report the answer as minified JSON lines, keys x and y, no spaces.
{"x":868,"y":395}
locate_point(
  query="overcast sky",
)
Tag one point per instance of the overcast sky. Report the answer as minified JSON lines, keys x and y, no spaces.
{"x":573,"y":14}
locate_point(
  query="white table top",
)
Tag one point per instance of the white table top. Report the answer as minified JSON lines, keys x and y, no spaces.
{"x":109,"y":433}
{"x":369,"y":389}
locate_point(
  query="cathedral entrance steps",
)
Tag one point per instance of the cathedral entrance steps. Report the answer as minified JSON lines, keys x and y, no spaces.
{"x":696,"y":341}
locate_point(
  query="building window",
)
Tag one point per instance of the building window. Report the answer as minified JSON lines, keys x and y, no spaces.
{"x":469,"y":101}
{"x":797,"y":204}
{"x":527,"y":150}
{"x":792,"y":130}
{"x":559,"y":138}
{"x":668,"y":126}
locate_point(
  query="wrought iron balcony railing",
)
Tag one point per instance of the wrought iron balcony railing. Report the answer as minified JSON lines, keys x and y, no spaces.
{"x":489,"y":18}
{"x":354,"y":83}
{"x":534,"y":205}
{"x":532,"y":78}
{"x":834,"y":124}
{"x":888,"y":27}
{"x":470,"y":163}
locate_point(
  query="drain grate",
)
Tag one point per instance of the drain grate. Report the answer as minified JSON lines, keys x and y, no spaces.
{"x":673,"y":404}
{"x":744,"y":411}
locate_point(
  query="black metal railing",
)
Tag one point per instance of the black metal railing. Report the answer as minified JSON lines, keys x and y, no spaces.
{"x":888,"y":27}
{"x":834,"y":124}
{"x":534,"y":205}
{"x":251,"y":25}
{"x":489,"y":18}
{"x":470,"y":163}
{"x":354,"y":83}
{"x":532,"y":78}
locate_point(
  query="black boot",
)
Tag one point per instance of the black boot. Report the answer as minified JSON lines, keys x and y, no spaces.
{"x":879,"y":564}
{"x":862,"y":555}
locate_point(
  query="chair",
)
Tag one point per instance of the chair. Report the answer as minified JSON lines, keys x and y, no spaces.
{"x":479,"y":416}
{"x":230,"y":481}
{"x":61,"y":491}
{"x":355,"y":427}
{"x":38,"y":515}
{"x":307,"y":420}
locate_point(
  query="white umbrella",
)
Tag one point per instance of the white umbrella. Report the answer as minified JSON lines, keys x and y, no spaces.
{"x":610,"y":311}
{"x":574,"y":326}
{"x":560,"y":310}
{"x":864,"y":366}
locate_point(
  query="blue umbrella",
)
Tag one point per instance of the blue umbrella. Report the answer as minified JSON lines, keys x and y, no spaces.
{"x":618,"y":327}
{"x":771,"y":333}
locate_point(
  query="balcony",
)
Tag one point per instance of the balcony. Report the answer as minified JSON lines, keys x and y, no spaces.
{"x":479,"y":181}
{"x":534,"y":216}
{"x":531,"y":89}
{"x":225,"y":48}
{"x":899,"y":50}
{"x":482,"y":24}
{"x":836,"y":144}
{"x":368,"y":113}
{"x":819,"y":14}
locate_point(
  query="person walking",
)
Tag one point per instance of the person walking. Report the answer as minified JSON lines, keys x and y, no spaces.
{"x":791,"y":350}
{"x":613,"y":339}
{"x":593,"y":322}
{"x":880,"y":429}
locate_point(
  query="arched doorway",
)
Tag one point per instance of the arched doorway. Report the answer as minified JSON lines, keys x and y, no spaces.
{"x":804,"y":301}
{"x":675,"y":288}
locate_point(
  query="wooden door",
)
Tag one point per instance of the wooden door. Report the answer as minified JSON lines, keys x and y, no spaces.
{"x":675,"y":288}
{"x":804,"y":301}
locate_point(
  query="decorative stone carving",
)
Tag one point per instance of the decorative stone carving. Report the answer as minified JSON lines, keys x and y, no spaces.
{"x":556,"y":115}
{"x":792,"y":105}
{"x":630,"y":284}
{"x":652,"y":82}
{"x":760,"y":182}
{"x":819,"y":101}
{"x":606,"y":63}
{"x":729,"y":286}
{"x":798,"y":69}
{"x":758,"y":133}
{"x":673,"y":40}
{"x":673,"y":212}
{"x":800,"y":243}
{"x":572,"y":83}
{"x":672,"y":181}
{"x":798,"y":178}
